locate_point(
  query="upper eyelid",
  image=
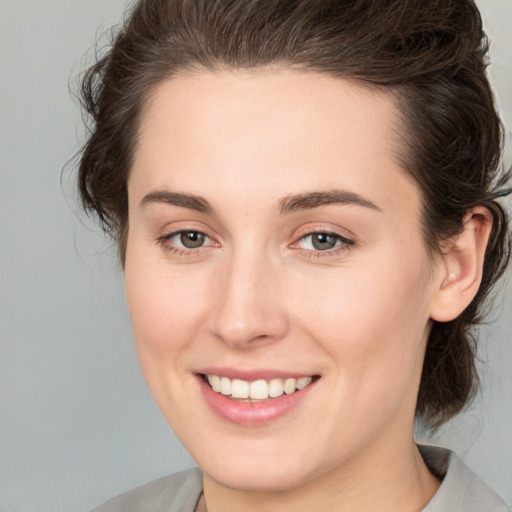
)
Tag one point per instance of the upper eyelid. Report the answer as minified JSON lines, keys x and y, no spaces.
{"x":169,"y":233}
{"x":323,"y":231}
{"x":344,"y":241}
{"x":344,"y":245}
{"x":165,"y":240}
{"x":173,"y":233}
{"x":349,"y":237}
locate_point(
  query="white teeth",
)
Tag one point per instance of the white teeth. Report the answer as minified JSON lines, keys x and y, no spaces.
{"x":303,"y":382}
{"x":239,"y":388}
{"x":258,"y":389}
{"x":289,"y":386}
{"x":275,"y":388}
{"x":225,"y":386}
{"x":214,"y":381}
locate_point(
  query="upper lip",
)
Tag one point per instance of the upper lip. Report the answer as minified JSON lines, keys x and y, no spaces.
{"x":253,"y":374}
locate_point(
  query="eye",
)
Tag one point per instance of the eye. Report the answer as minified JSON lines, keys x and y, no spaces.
{"x":319,"y":241}
{"x":322,"y":241}
{"x":191,"y":239}
{"x":185,"y":239}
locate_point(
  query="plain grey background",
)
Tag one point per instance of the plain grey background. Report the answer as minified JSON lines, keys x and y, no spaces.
{"x":77,"y":424}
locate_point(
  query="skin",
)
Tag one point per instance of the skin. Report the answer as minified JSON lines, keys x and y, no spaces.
{"x":257,"y":295}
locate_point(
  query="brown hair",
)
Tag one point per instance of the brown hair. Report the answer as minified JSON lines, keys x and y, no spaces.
{"x":429,"y":54}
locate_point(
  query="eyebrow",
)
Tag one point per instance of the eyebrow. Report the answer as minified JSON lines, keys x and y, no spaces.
{"x":312,"y":200}
{"x":289,"y":204}
{"x":190,"y":201}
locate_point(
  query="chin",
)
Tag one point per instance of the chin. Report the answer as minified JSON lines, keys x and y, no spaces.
{"x":261,"y":478}
{"x":261,"y":467}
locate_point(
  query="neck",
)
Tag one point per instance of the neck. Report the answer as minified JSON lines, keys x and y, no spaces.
{"x":394,"y":479}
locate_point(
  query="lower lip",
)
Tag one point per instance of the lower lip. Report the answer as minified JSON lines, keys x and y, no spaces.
{"x":252,"y":413}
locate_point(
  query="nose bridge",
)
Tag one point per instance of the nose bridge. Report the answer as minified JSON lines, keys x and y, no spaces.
{"x":247,"y":308}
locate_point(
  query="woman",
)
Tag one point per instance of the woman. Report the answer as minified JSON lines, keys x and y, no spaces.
{"x":304,"y":195}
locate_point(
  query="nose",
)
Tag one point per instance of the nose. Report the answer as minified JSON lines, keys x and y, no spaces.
{"x":247,"y":309}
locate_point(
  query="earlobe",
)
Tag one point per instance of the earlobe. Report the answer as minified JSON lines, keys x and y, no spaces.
{"x":460,"y":269}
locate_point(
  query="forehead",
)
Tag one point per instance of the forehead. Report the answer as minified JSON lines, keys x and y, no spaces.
{"x":267,"y":132}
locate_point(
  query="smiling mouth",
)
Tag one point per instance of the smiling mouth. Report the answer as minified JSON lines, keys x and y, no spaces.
{"x":257,"y":390}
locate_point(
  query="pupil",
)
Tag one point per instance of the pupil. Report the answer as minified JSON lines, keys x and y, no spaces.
{"x":192,"y":239}
{"x":323,"y":241}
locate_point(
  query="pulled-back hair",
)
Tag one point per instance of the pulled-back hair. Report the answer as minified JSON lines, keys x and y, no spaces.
{"x":430,"y":55}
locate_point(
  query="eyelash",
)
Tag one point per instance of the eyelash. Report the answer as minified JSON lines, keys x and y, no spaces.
{"x":183,"y":251}
{"x":344,"y":244}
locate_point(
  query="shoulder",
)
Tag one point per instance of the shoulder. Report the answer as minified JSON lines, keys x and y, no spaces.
{"x":176,"y":492}
{"x":461,"y":490}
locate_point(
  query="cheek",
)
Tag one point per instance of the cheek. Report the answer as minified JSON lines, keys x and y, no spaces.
{"x":371,"y":320}
{"x":164,"y":307}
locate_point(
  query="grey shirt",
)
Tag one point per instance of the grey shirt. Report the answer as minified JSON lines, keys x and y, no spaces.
{"x":460,"y":491}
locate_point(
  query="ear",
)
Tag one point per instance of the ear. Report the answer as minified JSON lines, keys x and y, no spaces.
{"x":460,"y":269}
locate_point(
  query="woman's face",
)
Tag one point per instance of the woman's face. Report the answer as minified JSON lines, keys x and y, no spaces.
{"x":273,"y":236}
